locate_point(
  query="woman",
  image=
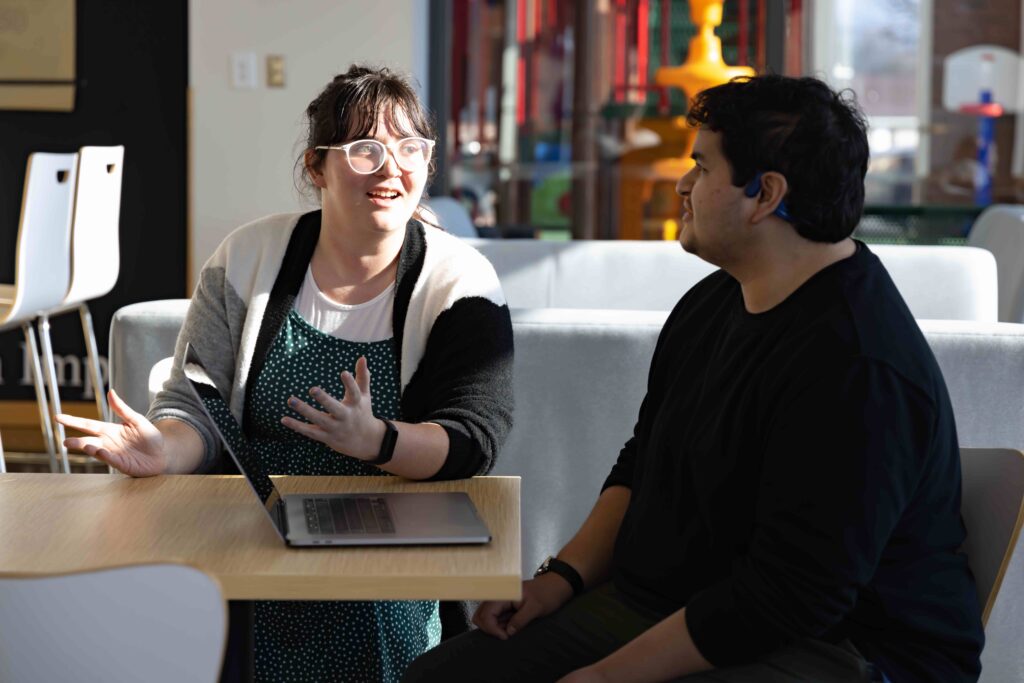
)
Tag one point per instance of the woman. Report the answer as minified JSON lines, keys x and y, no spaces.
{"x":322,"y":329}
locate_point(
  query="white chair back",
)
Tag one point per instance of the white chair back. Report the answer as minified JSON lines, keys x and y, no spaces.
{"x":156,"y":623}
{"x":95,"y":252}
{"x":1000,"y":229}
{"x":42,"y":267}
{"x":451,"y":215}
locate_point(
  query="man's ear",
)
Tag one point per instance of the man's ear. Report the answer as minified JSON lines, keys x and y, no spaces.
{"x":315,"y":176}
{"x":773,"y":190}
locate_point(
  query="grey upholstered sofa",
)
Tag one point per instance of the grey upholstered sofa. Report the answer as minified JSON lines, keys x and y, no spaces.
{"x":579,"y":378}
{"x":580,"y":370}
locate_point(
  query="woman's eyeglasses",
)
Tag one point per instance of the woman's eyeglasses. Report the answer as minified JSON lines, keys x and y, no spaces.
{"x":368,"y":156}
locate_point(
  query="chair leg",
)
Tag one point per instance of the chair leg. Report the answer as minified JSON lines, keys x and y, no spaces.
{"x":103,"y":410}
{"x":51,"y":380}
{"x":45,"y":422}
{"x":3,"y":463}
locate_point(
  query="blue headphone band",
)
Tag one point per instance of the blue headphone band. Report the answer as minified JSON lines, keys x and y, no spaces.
{"x":753,"y":188}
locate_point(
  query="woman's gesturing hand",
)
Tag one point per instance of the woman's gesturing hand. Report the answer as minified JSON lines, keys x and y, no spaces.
{"x":134,"y":447}
{"x":347,"y":426}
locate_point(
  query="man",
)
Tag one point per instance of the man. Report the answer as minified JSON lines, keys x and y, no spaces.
{"x":788,"y":508}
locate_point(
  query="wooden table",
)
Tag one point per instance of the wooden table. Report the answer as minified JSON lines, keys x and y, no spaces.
{"x":58,"y":523}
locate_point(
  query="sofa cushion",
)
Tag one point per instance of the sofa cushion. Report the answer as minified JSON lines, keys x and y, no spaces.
{"x":954,"y":283}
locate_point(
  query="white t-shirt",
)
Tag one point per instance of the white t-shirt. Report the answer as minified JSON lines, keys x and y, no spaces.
{"x":366,"y":322}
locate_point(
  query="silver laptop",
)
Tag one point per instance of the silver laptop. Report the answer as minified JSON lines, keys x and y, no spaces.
{"x":347,"y":519}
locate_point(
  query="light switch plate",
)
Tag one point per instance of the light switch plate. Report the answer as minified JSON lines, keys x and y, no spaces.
{"x":244,"y":73}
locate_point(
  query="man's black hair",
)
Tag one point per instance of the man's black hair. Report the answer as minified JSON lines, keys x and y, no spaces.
{"x":801,"y":128}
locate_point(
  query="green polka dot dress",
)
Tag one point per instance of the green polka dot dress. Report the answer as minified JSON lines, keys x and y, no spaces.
{"x":329,"y":641}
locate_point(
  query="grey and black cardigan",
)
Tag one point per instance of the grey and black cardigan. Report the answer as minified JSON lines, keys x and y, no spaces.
{"x":452,"y":333}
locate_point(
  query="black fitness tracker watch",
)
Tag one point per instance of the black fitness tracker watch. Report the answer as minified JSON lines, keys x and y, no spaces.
{"x":387,"y":446}
{"x":563,"y":569}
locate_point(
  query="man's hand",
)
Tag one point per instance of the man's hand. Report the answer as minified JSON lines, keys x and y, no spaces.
{"x":347,"y":426}
{"x":541,"y":596}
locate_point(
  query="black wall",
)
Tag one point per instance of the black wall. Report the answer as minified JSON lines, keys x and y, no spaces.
{"x":132,"y":75}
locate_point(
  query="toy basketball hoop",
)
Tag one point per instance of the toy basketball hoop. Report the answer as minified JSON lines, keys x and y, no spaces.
{"x":982,"y":81}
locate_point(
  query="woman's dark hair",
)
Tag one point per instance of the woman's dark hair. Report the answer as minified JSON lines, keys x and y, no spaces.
{"x":801,"y":128}
{"x":348,"y":109}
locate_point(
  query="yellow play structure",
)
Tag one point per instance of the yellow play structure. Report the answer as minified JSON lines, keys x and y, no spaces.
{"x":643,"y":169}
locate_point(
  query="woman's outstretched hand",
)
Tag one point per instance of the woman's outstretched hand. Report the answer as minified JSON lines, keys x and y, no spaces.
{"x":135,"y":447}
{"x":347,"y":426}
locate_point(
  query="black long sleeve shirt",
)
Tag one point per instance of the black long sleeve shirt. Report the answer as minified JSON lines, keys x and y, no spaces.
{"x":796,"y":473}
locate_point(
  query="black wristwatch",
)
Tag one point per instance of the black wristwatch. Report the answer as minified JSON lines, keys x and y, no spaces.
{"x":387,"y":445}
{"x":563,"y":569}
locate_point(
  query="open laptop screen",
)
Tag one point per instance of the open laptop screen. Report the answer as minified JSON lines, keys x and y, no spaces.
{"x":225,"y":424}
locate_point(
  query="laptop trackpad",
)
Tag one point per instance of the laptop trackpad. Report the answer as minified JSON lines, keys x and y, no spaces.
{"x":425,"y":514}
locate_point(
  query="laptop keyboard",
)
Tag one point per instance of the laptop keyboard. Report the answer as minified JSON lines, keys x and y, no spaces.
{"x":363,"y":515}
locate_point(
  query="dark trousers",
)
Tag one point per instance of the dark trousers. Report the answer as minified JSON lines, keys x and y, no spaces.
{"x":596,"y":624}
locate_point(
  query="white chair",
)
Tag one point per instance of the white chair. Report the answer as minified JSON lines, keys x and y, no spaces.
{"x":160,"y":373}
{"x":95,"y":262}
{"x":42,"y":266}
{"x":1000,"y":229}
{"x":156,"y":623}
{"x":993,"y":511}
{"x":451,"y":215}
